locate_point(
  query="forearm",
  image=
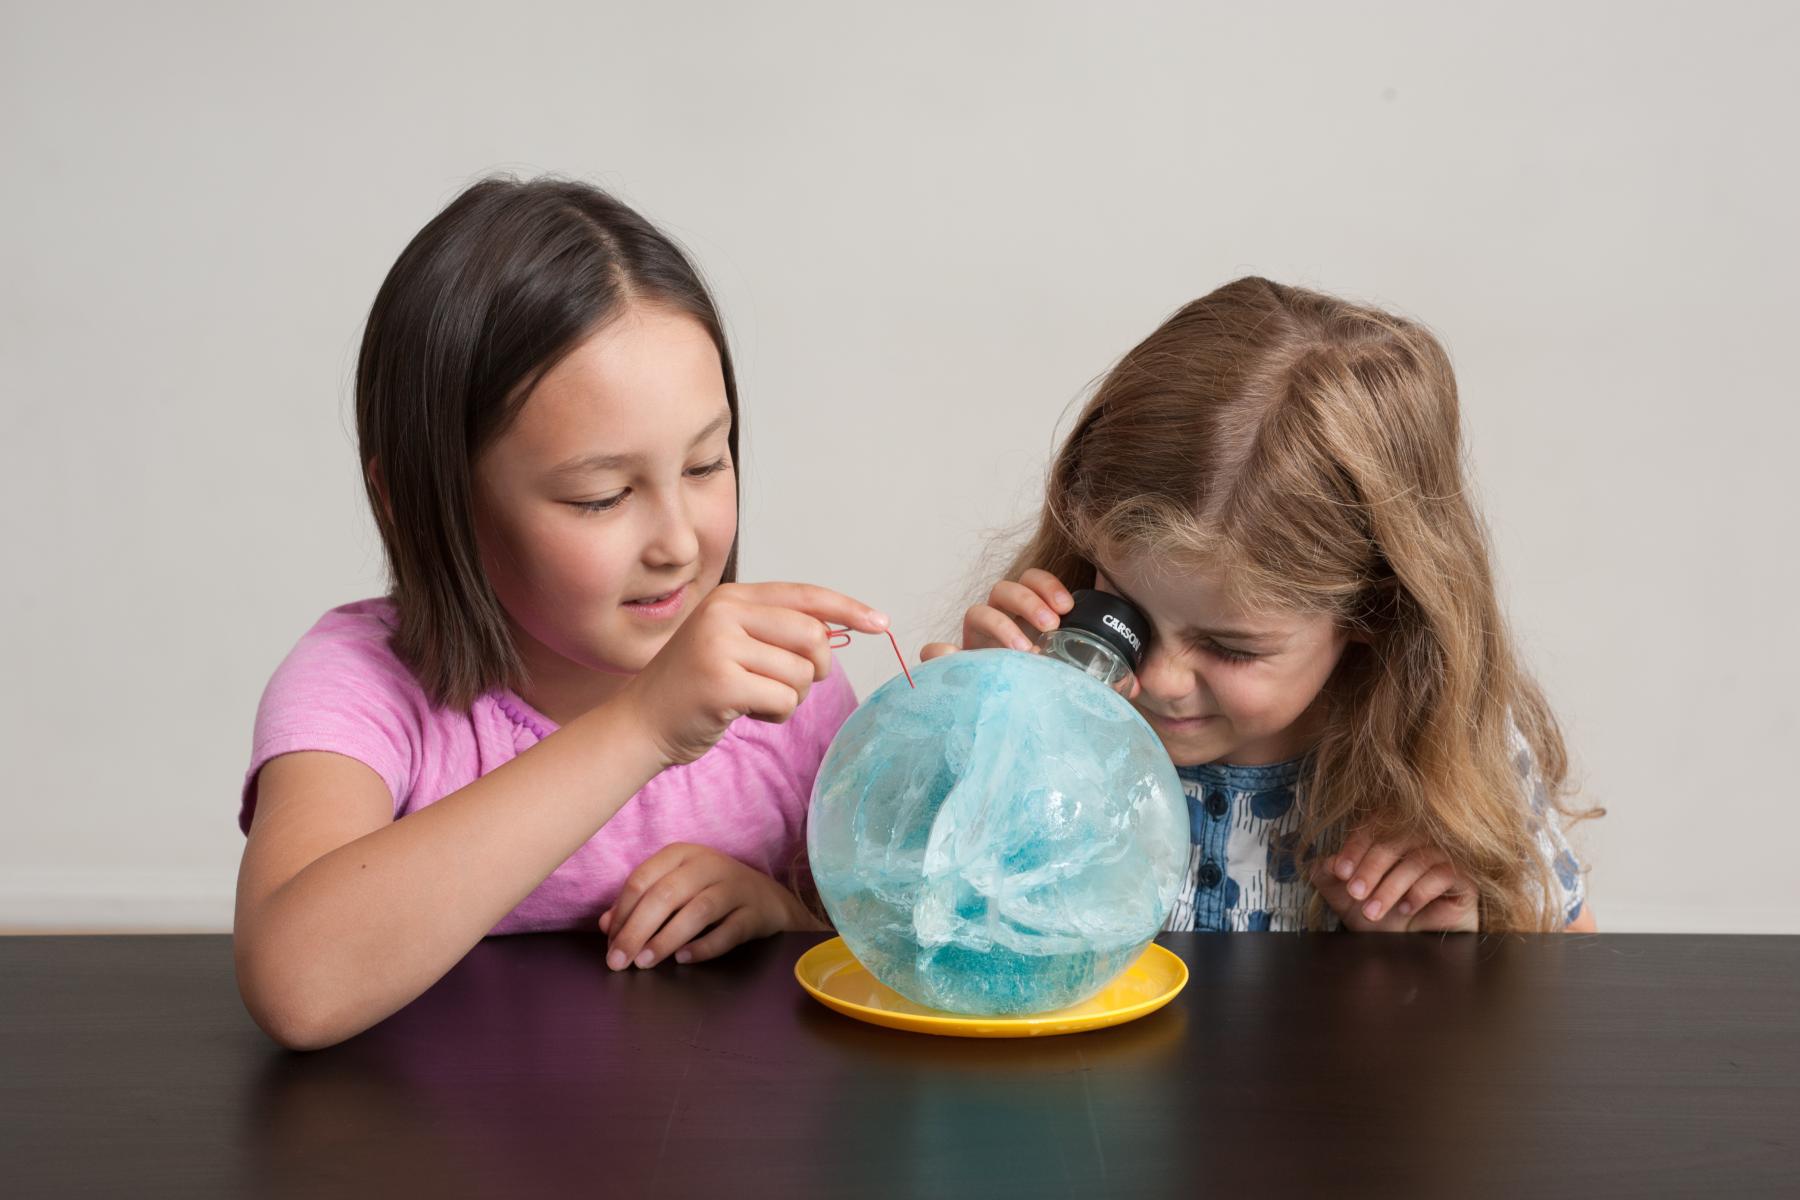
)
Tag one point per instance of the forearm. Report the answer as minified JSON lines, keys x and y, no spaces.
{"x":366,"y":928}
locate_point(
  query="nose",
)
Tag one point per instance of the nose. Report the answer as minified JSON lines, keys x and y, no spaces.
{"x":673,"y":540}
{"x":1162,"y":677}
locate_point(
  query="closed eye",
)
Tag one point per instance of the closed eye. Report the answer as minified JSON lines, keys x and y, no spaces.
{"x":1225,"y":653}
{"x":604,"y":504}
{"x":608,"y":503}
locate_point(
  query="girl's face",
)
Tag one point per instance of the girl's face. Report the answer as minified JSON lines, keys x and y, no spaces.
{"x":607,"y":509}
{"x":1219,"y":683}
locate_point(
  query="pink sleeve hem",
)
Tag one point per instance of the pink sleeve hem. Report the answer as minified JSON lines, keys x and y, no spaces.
{"x":292,"y":743}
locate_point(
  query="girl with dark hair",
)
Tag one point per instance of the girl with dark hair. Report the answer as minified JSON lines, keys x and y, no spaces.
{"x":584,"y":720}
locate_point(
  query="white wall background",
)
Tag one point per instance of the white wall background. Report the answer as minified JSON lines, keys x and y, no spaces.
{"x":930,"y":228}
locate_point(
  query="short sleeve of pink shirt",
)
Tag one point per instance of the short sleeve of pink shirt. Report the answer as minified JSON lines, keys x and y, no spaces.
{"x":342,"y":689}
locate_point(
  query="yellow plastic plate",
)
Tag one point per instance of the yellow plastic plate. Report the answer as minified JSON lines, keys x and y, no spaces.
{"x":835,"y":979}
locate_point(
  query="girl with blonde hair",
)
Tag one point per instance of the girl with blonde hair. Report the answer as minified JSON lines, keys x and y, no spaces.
{"x":1276,"y":478}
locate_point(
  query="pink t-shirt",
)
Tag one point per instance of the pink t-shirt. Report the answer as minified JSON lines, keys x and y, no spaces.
{"x":343,"y":689}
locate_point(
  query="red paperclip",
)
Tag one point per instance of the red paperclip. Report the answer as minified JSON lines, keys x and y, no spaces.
{"x":844,"y":634}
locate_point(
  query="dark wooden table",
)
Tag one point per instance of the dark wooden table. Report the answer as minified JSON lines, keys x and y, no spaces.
{"x":1579,"y":1066}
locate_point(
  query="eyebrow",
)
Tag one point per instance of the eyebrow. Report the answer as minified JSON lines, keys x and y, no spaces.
{"x":1231,"y":635}
{"x":584,"y":463}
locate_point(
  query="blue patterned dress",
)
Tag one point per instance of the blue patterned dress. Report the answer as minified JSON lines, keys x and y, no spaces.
{"x":1242,"y":871}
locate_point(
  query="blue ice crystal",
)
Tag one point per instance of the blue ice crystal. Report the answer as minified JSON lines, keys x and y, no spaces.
{"x":1004,"y":839}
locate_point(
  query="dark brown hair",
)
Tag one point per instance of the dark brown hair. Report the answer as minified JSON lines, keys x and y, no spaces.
{"x":1311,"y":450}
{"x":487,"y":298}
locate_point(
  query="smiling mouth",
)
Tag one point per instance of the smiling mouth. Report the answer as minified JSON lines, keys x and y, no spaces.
{"x":1165,"y":719}
{"x":659,"y":602}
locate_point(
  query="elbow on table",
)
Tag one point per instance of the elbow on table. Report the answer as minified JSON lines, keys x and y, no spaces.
{"x":294,"y":1028}
{"x":293,"y":1010}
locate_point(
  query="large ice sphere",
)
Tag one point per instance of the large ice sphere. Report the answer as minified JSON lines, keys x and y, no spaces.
{"x":1005,"y":838}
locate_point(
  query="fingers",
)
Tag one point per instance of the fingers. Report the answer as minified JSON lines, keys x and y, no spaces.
{"x":1370,"y":869}
{"x":690,"y":902}
{"x":645,"y":901}
{"x":986,"y":626}
{"x":1399,"y":880}
{"x":707,"y":908}
{"x":818,"y":602}
{"x":740,"y":904}
{"x":763,"y":699}
{"x":1428,"y":887}
{"x":734,"y":930}
{"x":1331,"y":890}
{"x":1453,"y":912}
{"x":1349,"y":909}
{"x":1018,"y":600}
{"x":630,"y":943}
{"x":936,"y":650}
{"x":797,"y":672}
{"x":791,"y":631}
{"x":1355,"y":846}
{"x":1015,"y":613}
{"x":1374,"y":885}
{"x":782,"y":653}
{"x":1050,"y":588}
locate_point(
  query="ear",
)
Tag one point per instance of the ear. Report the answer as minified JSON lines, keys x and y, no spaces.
{"x":379,"y":487}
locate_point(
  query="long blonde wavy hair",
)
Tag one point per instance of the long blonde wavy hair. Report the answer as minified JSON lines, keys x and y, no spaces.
{"x":1311,"y":451}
